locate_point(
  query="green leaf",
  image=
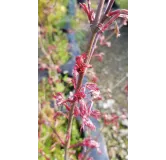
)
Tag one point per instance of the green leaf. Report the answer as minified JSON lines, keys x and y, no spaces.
{"x":59,"y":87}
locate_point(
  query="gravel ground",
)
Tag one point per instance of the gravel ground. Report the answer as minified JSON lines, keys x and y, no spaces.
{"x":112,"y":74}
{"x":112,"y":71}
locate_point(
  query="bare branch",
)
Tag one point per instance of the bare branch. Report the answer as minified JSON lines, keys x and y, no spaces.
{"x":98,"y":15}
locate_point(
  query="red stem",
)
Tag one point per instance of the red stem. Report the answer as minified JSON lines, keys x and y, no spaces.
{"x":109,"y":6}
{"x":76,"y":145}
{"x":110,"y":22}
{"x":79,"y":83}
{"x":121,"y":11}
{"x":91,"y":46}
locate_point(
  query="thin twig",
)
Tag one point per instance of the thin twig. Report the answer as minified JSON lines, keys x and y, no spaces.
{"x":99,"y":11}
{"x":98,"y":15}
{"x":42,"y":47}
{"x":108,"y":9}
{"x":90,"y":49}
{"x":91,"y":46}
{"x":54,"y":130}
{"x":76,"y":145}
{"x":113,"y":32}
{"x":79,"y":83}
{"x":119,"y":82}
{"x":109,"y":6}
{"x":49,"y":57}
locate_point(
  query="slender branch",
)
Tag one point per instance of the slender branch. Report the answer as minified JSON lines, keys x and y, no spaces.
{"x":98,"y":15}
{"x":121,"y":11}
{"x":79,"y":83}
{"x":94,"y":45}
{"x":89,"y":3}
{"x":54,"y":130}
{"x":109,"y":6}
{"x":119,"y":82}
{"x":42,"y":47}
{"x":76,"y":145}
{"x":60,"y":139}
{"x":113,"y":32}
{"x":99,"y":11}
{"x":49,"y":57}
{"x":90,"y":49}
{"x":108,"y":9}
{"x":43,"y":154}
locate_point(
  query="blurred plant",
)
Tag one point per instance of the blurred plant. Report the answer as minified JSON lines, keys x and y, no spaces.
{"x":123,"y":3}
{"x":51,"y":132}
{"x":53,"y":51}
{"x":52,"y":41}
{"x":117,"y":136}
{"x":80,"y":102}
{"x":53,"y":47}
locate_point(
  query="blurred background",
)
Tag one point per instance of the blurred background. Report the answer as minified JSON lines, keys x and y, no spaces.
{"x":63,"y":34}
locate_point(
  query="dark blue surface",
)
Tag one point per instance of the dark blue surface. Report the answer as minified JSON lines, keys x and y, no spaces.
{"x":42,"y":74}
{"x":75,"y":51}
{"x":103,"y":148}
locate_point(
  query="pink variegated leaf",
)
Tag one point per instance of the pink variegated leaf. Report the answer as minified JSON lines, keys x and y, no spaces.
{"x":92,"y":86}
{"x":96,"y":114}
{"x":88,"y":123}
{"x":59,"y":98}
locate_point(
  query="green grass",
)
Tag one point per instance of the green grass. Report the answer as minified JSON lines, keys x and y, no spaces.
{"x":123,"y":3}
